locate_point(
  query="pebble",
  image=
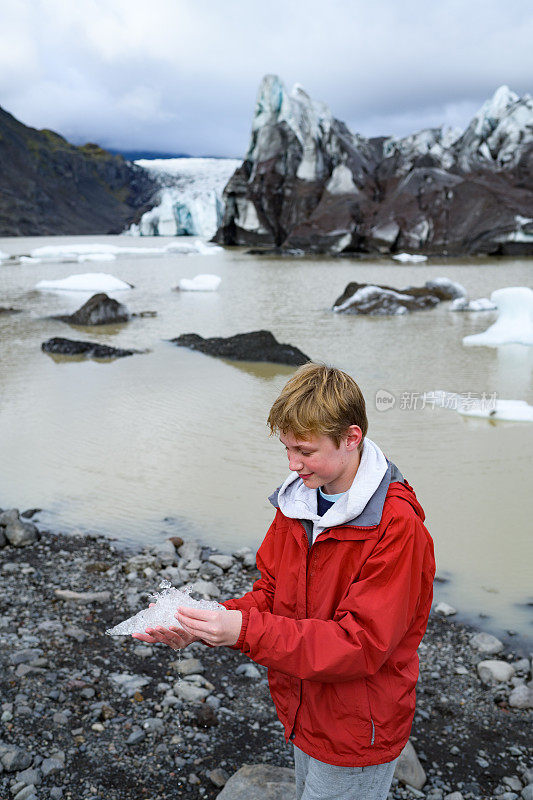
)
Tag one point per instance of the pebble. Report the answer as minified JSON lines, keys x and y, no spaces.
{"x":218,"y":776}
{"x":135,"y":737}
{"x":188,"y":666}
{"x":486,"y":643}
{"x":445,"y":609}
{"x":15,"y":759}
{"x":50,"y":766}
{"x":248,"y":670}
{"x":521,"y":697}
{"x":495,"y":671}
{"x":527,"y":792}
{"x":189,"y":692}
{"x":222,"y":561}
{"x":25,"y":793}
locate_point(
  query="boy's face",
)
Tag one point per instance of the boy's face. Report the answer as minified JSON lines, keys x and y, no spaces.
{"x":319,"y":462}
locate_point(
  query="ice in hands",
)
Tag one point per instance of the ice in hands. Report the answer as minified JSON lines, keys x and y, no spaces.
{"x":163,"y":612}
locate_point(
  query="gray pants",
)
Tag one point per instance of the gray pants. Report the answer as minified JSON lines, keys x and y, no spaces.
{"x":318,"y":781}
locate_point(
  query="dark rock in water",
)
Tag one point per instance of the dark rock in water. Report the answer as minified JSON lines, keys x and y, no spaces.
{"x":4,"y":310}
{"x":376,"y":300}
{"x":254,"y":346}
{"x":50,"y":187}
{"x":308,"y":183}
{"x":98,"y":310}
{"x":71,"y":347}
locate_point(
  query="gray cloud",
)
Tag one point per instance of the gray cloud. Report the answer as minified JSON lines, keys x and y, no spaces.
{"x":182,"y":76}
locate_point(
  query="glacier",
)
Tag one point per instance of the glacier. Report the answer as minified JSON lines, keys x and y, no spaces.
{"x":166,"y":603}
{"x":189,"y":202}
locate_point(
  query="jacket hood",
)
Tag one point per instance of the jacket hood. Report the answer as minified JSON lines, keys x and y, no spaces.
{"x":360,"y":506}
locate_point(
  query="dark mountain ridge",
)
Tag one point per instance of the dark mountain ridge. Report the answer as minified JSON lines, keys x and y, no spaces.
{"x":51,"y":187}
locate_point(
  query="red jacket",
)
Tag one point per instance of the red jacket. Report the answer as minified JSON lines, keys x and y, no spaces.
{"x":338,"y":625}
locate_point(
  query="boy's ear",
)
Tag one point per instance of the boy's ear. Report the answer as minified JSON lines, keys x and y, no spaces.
{"x":353,"y":436}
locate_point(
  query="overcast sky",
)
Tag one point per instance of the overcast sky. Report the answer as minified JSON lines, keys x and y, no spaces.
{"x":182,"y":76}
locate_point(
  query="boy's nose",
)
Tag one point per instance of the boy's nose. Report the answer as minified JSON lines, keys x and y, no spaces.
{"x":295,"y":463}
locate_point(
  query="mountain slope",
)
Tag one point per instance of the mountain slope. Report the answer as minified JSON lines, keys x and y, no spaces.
{"x":48,"y":186}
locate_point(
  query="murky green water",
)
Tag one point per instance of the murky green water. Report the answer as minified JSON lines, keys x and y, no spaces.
{"x":175,"y":442}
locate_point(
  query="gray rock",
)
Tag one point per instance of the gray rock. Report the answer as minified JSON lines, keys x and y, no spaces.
{"x":189,"y":550}
{"x":16,"y":759}
{"x":25,"y":793}
{"x":51,"y":765}
{"x":24,"y":656}
{"x":56,"y":793}
{"x":445,"y":609}
{"x":188,"y":666}
{"x":486,"y":643}
{"x":135,"y":737}
{"x":454,"y":796}
{"x":21,"y":534}
{"x":153,"y":724}
{"x":98,"y":310}
{"x":83,"y":597}
{"x":165,"y":552}
{"x":260,"y":780}
{"x":495,"y":671}
{"x":3,"y":540}
{"x":9,"y":517}
{"x":527,"y":776}
{"x":128,"y":683}
{"x":521,"y":697}
{"x":527,"y":792}
{"x":75,"y":633}
{"x":248,"y":670}
{"x":205,"y":588}
{"x":221,"y":560}
{"x":512,"y":783}
{"x":409,"y":769}
{"x":28,"y":776}
{"x":218,"y":776}
{"x":189,"y":692}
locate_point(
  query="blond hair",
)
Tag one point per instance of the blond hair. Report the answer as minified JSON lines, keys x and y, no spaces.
{"x":318,"y":400}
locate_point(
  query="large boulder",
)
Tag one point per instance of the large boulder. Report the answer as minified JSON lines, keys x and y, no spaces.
{"x":377,"y":300}
{"x":98,"y":310}
{"x":253,"y":346}
{"x":260,"y":780}
{"x":73,"y":347}
{"x":308,"y":183}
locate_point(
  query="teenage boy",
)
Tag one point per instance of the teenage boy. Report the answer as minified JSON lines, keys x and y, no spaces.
{"x":343,"y":599}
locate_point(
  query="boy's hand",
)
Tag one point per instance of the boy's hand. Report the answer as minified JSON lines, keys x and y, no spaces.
{"x":213,"y":627}
{"x":176,"y":638}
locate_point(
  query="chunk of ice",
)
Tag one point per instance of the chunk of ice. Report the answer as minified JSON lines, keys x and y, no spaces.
{"x":86,"y":282}
{"x":200,"y":283}
{"x":409,"y":258}
{"x":162,"y":613}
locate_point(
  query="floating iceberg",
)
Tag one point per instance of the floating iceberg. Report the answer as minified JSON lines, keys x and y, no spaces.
{"x":409,"y":258}
{"x":3,"y":255}
{"x":86,"y":282}
{"x":515,"y":319}
{"x":100,"y":251}
{"x":200,"y":283}
{"x":190,"y":199}
{"x":162,"y":613}
{"x":464,"y":304}
{"x":480,"y":405}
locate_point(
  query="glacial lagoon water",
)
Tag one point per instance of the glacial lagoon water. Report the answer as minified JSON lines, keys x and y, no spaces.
{"x":173,"y":442}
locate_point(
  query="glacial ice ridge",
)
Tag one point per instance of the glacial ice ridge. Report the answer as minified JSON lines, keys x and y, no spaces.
{"x":162,"y":613}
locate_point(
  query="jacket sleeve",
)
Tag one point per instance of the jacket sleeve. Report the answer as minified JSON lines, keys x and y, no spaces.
{"x":369,"y":623}
{"x":261,"y":597}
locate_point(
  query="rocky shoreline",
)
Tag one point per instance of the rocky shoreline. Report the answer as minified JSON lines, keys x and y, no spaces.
{"x":86,"y":716}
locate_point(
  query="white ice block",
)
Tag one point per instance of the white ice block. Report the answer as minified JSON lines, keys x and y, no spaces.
{"x":162,"y":613}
